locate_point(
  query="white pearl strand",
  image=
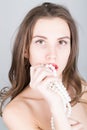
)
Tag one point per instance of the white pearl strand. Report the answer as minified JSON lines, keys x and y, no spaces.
{"x":59,"y":88}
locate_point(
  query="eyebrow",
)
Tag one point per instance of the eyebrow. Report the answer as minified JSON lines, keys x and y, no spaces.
{"x":40,"y":36}
{"x":64,"y":37}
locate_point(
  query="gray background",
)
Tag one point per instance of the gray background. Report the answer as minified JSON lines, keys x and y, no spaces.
{"x":11,"y":14}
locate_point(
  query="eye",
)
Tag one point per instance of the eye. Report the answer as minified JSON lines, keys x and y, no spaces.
{"x":40,"y":41}
{"x":62,"y":42}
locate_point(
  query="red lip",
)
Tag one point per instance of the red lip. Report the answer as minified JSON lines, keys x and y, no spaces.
{"x":56,"y":67}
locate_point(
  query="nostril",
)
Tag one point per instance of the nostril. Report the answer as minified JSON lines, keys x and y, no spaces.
{"x":51,"y":57}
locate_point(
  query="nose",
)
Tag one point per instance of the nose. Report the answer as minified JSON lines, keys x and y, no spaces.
{"x":51,"y":54}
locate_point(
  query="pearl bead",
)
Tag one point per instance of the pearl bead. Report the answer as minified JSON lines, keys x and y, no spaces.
{"x":59,"y":88}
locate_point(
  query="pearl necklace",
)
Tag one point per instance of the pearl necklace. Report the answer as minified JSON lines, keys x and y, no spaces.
{"x":58,"y":87}
{"x":61,"y":90}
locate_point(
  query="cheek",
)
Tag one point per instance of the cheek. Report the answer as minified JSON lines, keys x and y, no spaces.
{"x":36,"y":57}
{"x":63,"y":60}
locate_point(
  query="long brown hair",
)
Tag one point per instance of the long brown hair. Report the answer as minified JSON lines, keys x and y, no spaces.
{"x":19,"y":74}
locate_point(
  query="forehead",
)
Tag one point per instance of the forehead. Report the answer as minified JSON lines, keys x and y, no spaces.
{"x":55,"y":26}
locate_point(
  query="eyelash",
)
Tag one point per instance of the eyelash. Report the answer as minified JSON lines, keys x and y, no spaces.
{"x":40,"y":41}
{"x":62,"y":42}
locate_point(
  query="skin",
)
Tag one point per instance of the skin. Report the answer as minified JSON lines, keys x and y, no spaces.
{"x":34,"y":107}
{"x":53,"y":47}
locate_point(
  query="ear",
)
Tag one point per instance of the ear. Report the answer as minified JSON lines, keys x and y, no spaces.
{"x":26,"y":54}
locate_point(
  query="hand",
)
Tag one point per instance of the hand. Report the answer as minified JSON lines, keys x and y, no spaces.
{"x":40,"y":77}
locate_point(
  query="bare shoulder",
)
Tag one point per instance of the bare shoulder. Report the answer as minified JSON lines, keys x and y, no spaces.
{"x":16,"y":112}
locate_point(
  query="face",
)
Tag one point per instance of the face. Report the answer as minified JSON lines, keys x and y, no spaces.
{"x":50,"y":43}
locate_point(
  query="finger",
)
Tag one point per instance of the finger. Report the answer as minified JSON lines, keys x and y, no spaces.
{"x":43,"y":74}
{"x":32,"y":74}
{"x":39,"y":73}
{"x":33,"y":70}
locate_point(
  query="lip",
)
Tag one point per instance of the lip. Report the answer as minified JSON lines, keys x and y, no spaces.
{"x":53,"y":64}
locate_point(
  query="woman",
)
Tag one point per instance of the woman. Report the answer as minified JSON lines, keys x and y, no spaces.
{"x":45,"y":51}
